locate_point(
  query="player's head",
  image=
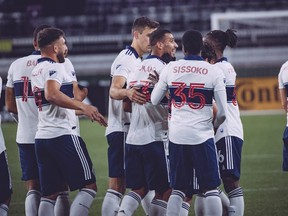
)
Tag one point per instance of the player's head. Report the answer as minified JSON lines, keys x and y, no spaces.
{"x":220,"y":39}
{"x":163,"y":44}
{"x":208,"y":53}
{"x":52,"y":43}
{"x":141,"y":31}
{"x":192,"y":42}
{"x":35,"y":33}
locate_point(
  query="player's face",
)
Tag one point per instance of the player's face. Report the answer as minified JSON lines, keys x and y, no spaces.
{"x":61,"y":50}
{"x":144,"y":39}
{"x":170,"y":45}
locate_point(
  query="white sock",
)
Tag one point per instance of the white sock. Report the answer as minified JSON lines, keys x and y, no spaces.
{"x":212,"y":203}
{"x":146,"y":201}
{"x":111,"y":203}
{"x":225,"y":202}
{"x":62,"y":205}
{"x":199,"y":205}
{"x":32,"y":202}
{"x":129,"y":204}
{"x":3,"y":209}
{"x":236,"y":202}
{"x":158,"y":208}
{"x":185,"y":209}
{"x":46,"y":207}
{"x":82,"y":202}
{"x":174,"y":204}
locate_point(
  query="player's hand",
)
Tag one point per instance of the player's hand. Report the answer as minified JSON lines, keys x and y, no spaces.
{"x":153,"y":77}
{"x":135,"y":95}
{"x":94,"y":115}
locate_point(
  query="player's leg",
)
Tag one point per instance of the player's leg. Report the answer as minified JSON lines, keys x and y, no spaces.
{"x":205,"y":162}
{"x":5,"y":185}
{"x":285,"y":150}
{"x":230,"y":149}
{"x":180,"y":176}
{"x":135,"y":179}
{"x":156,"y":175}
{"x":116,"y":184}
{"x":76,"y":165}
{"x":147,"y":200}
{"x":30,"y":175}
{"x":62,"y":205}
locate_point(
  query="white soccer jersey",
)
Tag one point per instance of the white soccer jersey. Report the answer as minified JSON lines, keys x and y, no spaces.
{"x":283,"y":80}
{"x":54,"y":121}
{"x":148,"y":123}
{"x":192,"y":83}
{"x":2,"y":142}
{"x":127,"y":61}
{"x":19,"y":78}
{"x":232,"y":126}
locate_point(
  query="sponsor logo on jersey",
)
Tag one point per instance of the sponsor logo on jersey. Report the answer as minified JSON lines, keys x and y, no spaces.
{"x":52,"y":72}
{"x":118,"y":66}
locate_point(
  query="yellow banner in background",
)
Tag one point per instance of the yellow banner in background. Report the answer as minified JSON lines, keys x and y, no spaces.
{"x":258,"y":93}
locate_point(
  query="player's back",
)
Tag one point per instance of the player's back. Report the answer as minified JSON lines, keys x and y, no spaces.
{"x":191,"y":87}
{"x":232,"y":126}
{"x":19,"y":78}
{"x":126,"y":61}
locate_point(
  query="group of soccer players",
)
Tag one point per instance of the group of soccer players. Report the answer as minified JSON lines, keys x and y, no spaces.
{"x":174,"y":127}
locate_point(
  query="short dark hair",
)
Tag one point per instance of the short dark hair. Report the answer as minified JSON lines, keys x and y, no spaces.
{"x":192,"y":42}
{"x":158,"y":35}
{"x":207,"y":52}
{"x":38,"y":29}
{"x":48,"y":35}
{"x":140,"y":23}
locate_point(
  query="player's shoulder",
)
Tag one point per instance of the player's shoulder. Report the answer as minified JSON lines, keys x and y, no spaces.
{"x":284,"y":66}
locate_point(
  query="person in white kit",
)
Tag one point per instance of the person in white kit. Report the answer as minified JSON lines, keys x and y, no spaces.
{"x":62,"y":155}
{"x":192,"y":85}
{"x":127,"y":61}
{"x":145,"y":159}
{"x":283,"y":89}
{"x":5,"y":178}
{"x":229,"y":136}
{"x":19,"y":100}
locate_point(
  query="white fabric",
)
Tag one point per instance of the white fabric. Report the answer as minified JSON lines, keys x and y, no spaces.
{"x":123,"y":65}
{"x":187,"y":125}
{"x":54,"y":121}
{"x":20,"y":73}
{"x":232,"y":126}
{"x":2,"y":142}
{"x":283,"y":80}
{"x":148,"y":123}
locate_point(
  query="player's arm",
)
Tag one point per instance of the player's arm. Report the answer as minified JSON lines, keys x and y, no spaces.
{"x":283,"y":98}
{"x":117,"y":91}
{"x":221,"y":102}
{"x":55,"y":96}
{"x":10,"y":101}
{"x":80,"y":92}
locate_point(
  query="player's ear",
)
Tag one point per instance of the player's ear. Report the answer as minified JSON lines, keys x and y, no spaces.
{"x":136,"y":34}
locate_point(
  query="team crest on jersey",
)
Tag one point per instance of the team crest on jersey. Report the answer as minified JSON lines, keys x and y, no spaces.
{"x":118,"y":66}
{"x":52,"y":72}
{"x":73,"y":73}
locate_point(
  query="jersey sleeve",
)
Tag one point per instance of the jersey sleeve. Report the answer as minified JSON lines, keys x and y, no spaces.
{"x":70,"y":69}
{"x":56,"y":73}
{"x":283,"y":76}
{"x":10,"y":83}
{"x":161,"y":87}
{"x":219,"y":79}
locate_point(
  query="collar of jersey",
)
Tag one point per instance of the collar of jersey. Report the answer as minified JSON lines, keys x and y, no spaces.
{"x":133,"y":50}
{"x":193,"y":57}
{"x":45,"y":59}
{"x":222,"y":59}
{"x":36,"y":52}
{"x":153,"y":56}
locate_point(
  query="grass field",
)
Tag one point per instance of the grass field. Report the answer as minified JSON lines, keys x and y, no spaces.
{"x":265,"y":185}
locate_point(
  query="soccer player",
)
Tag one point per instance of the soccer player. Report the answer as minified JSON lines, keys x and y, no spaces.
{"x":19,"y":100}
{"x":127,"y":61}
{"x":192,"y":82}
{"x":229,"y":136}
{"x":62,"y":155}
{"x":145,"y":159}
{"x":5,"y":178}
{"x":283,"y":84}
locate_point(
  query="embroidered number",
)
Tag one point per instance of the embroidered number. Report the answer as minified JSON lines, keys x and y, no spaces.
{"x":38,"y":97}
{"x":25,"y":80}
